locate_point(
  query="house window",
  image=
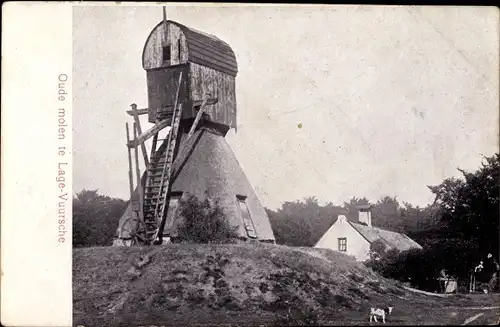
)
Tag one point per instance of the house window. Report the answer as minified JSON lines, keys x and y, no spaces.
{"x":166,"y":53}
{"x":343,"y":244}
{"x":173,"y":205}
{"x":247,"y":218}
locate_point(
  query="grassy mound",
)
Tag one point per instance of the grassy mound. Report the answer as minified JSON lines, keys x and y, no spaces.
{"x":188,"y":285}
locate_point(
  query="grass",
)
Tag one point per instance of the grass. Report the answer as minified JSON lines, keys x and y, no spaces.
{"x":241,"y":284}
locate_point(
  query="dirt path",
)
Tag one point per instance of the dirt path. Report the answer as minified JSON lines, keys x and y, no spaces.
{"x":471,"y":319}
{"x":485,"y":316}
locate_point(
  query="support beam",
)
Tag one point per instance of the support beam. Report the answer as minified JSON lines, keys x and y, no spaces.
{"x":148,"y":134}
{"x":138,"y":176}
{"x":137,"y":124}
{"x":198,"y":115}
{"x":196,"y":103}
{"x":138,"y":111}
{"x":130,"y":175}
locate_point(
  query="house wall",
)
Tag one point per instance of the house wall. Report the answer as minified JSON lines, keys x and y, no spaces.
{"x":357,"y":245}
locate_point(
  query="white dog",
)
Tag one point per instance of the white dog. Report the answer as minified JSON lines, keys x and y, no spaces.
{"x":376,"y":312}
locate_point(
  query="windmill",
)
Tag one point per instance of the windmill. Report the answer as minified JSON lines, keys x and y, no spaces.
{"x":191,"y":95}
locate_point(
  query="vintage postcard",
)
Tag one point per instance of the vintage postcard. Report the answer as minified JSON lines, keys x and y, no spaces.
{"x":218,"y":164}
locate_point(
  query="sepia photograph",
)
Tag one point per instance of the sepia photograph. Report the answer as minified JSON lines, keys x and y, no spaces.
{"x":283,"y":165}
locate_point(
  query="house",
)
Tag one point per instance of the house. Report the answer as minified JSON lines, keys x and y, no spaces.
{"x":355,"y":238}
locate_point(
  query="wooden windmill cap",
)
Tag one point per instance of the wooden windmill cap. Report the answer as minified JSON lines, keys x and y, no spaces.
{"x":202,"y":48}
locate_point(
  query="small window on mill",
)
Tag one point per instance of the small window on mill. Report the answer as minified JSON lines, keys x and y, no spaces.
{"x":247,"y":219}
{"x":179,"y":50}
{"x":173,"y":205}
{"x":166,"y":53}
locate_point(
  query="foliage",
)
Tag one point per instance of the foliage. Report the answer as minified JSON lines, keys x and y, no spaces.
{"x":470,"y":206}
{"x":421,"y":267}
{"x":351,"y":207}
{"x":457,"y":231}
{"x":204,"y":222}
{"x":377,"y":250}
{"x":415,"y":266}
{"x":95,"y":218}
{"x":302,"y":223}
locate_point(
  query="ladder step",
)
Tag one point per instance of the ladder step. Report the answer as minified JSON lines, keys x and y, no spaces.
{"x":152,"y":203}
{"x":151,"y":189}
{"x":156,"y":199}
{"x":154,"y":189}
{"x":154,"y":182}
{"x":149,"y":195}
{"x":156,"y":175}
{"x":158,"y":162}
{"x":155,"y":178}
{"x":155,"y":168}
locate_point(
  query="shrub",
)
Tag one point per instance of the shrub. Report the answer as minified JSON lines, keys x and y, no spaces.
{"x":95,"y":218}
{"x":415,"y":266}
{"x":204,"y":222}
{"x":422,"y":267}
{"x":377,"y":250}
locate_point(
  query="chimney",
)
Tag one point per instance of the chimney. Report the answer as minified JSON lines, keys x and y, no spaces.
{"x":365,"y":214}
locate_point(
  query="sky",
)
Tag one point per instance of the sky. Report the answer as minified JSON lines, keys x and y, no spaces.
{"x":332,"y":101}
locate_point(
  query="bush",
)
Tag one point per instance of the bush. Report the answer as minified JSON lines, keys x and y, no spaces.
{"x":95,"y":218}
{"x":204,"y":222}
{"x":377,"y":250}
{"x":418,"y":267}
{"x":422,"y":267}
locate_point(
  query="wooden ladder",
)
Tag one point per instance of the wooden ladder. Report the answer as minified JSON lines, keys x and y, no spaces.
{"x":158,"y":174}
{"x":159,"y":166}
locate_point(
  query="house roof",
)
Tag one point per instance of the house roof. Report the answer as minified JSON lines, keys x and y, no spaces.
{"x":391,"y":239}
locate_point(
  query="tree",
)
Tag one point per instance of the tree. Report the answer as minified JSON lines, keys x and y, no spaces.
{"x":386,"y":214}
{"x":470,"y":206}
{"x":302,"y":223}
{"x":95,"y":218}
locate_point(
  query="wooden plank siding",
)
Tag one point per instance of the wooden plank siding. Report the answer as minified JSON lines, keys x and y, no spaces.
{"x":152,"y":56}
{"x":221,"y":86}
{"x":195,"y":46}
{"x":210,"y":66}
{"x":162,"y":88}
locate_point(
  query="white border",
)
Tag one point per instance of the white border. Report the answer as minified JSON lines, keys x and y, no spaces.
{"x":36,"y":268}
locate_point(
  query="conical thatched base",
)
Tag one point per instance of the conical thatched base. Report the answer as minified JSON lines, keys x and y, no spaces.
{"x":206,"y":166}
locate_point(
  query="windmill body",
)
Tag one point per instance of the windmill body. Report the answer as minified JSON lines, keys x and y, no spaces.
{"x":191,"y":89}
